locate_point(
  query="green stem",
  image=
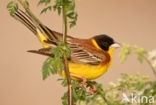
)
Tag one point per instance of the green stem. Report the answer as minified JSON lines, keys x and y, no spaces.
{"x":102,"y":94}
{"x":66,"y":68}
{"x":65,"y":27}
{"x":153,"y":69}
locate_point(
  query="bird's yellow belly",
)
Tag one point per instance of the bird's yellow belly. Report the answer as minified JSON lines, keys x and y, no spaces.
{"x":87,"y":71}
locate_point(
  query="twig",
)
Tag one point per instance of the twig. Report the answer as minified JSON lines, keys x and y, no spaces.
{"x":66,"y":68}
{"x":153,"y":69}
{"x":104,"y":98}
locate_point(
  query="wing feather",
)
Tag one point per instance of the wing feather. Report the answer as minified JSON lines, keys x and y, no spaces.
{"x":80,"y":54}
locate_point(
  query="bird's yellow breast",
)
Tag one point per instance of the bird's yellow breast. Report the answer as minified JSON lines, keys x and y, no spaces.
{"x":87,"y":71}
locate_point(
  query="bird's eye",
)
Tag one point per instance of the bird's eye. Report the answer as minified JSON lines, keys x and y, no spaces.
{"x":105,"y":44}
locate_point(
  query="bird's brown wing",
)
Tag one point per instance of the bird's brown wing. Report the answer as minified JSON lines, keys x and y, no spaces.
{"x":83,"y":51}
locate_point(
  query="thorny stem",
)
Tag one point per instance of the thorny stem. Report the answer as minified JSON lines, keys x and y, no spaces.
{"x":66,"y":68}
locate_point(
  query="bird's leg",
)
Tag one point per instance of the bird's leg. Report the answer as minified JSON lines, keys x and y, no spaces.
{"x":90,"y":88}
{"x":82,"y":80}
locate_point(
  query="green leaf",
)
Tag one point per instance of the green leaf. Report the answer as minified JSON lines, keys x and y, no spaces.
{"x":64,"y":82}
{"x":62,"y":49}
{"x":141,"y":54}
{"x":46,"y":9}
{"x":72,"y":24}
{"x":71,"y":15}
{"x":133,"y":82}
{"x":125,"y":51}
{"x":44,"y":2}
{"x":69,"y":8}
{"x":12,"y":7}
{"x":55,"y":65}
{"x":58,"y":6}
{"x":58,"y":9}
{"x":48,"y":68}
{"x":64,"y":99}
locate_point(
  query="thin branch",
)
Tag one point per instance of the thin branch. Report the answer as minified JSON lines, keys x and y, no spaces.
{"x":153,"y":69}
{"x":66,"y":68}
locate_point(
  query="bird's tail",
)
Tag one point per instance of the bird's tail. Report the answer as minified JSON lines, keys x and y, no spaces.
{"x":43,"y":33}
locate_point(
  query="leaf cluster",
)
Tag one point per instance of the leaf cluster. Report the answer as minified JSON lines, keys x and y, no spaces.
{"x":46,"y":2}
{"x":54,"y":65}
{"x":69,"y":8}
{"x":81,"y":94}
{"x":128,"y":84}
{"x":142,"y":55}
{"x":112,"y":94}
{"x":78,"y":93}
{"x":128,"y":49}
{"x":59,"y":4}
{"x":48,"y":6}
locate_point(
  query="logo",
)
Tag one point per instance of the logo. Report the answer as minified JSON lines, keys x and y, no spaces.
{"x":137,"y":99}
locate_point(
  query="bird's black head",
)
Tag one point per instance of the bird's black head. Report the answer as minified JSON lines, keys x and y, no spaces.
{"x":104,"y":41}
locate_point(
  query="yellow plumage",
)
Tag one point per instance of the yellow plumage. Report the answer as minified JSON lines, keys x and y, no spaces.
{"x":42,"y":38}
{"x":86,"y":71}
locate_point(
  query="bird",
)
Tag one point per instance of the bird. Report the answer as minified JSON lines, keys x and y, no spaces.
{"x":90,"y":57}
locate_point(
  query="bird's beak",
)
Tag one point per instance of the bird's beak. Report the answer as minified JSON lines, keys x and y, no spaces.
{"x":116,"y":45}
